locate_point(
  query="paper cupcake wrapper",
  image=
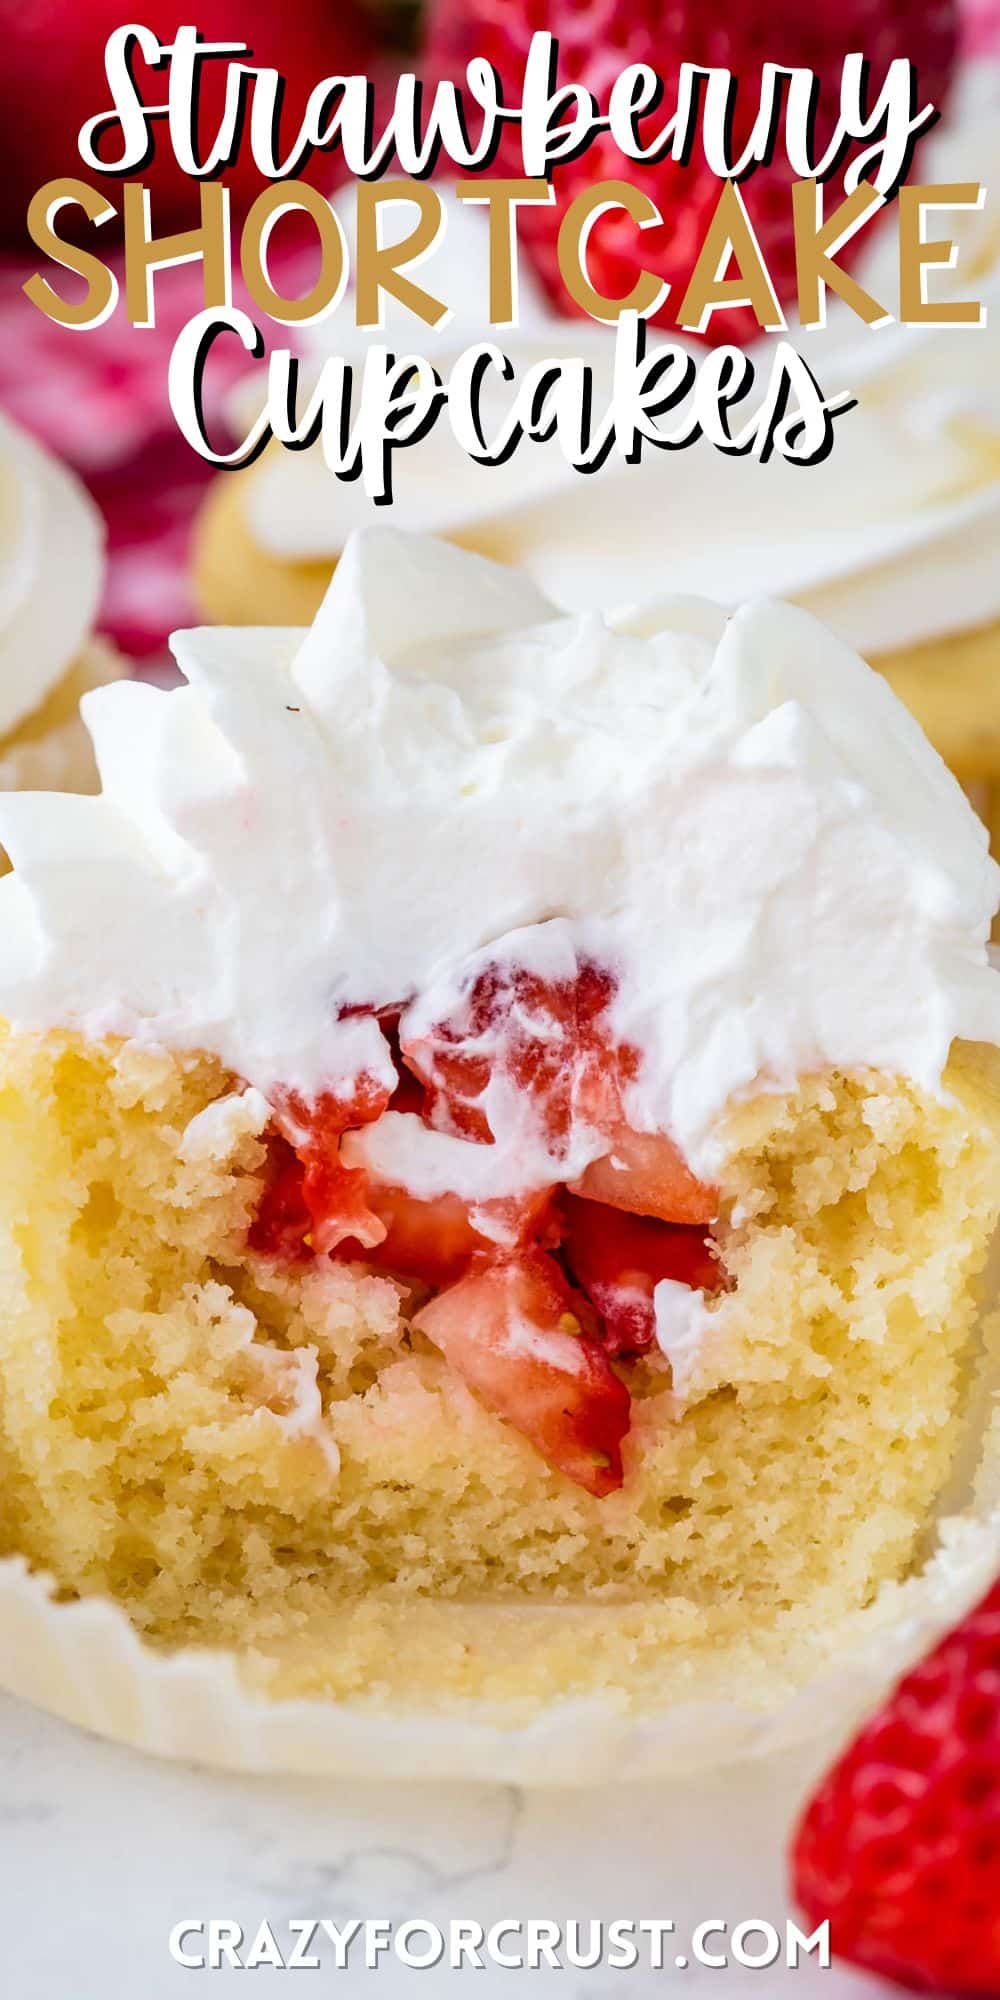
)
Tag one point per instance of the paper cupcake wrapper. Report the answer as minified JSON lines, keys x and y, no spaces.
{"x":85,"y":1662}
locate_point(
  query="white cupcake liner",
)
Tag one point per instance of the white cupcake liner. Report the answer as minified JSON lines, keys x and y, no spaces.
{"x":85,"y":1662}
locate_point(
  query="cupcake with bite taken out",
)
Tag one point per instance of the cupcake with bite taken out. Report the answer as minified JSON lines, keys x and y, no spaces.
{"x":500,"y":1145}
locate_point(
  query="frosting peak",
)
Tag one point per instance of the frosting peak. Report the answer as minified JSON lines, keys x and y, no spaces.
{"x":734,"y":817}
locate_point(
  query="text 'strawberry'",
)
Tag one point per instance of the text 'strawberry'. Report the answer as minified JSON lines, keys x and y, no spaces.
{"x":53,"y":81}
{"x":599,"y":38}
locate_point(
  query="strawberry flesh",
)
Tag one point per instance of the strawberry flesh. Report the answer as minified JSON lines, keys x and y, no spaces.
{"x":433,"y":1241}
{"x":618,"y":1260}
{"x":645,"y":1174}
{"x":511,"y":1330}
{"x":899,"y":1850}
{"x":532,"y":1349}
{"x":282,"y":1223}
{"x":548,"y":1040}
{"x":312,"y":1201}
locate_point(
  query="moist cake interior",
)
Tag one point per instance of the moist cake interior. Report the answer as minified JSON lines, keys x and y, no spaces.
{"x":269,"y":1457}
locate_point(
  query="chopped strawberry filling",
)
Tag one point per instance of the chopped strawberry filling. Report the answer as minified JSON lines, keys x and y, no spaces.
{"x":547,"y":1040}
{"x":619,"y":1259}
{"x":313,"y":1200}
{"x":282,"y":1223}
{"x":513,"y":1332}
{"x":644,"y":1173}
{"x":434,"y":1240}
{"x":430,"y":1241}
{"x":504,"y":1314}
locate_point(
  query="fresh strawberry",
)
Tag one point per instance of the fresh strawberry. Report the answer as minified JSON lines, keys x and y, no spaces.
{"x":505,"y":1316}
{"x":546,"y":1040}
{"x":599,"y":39}
{"x":644,"y":1173}
{"x":900,"y":1847}
{"x":433,"y":1241}
{"x":618,"y":1260}
{"x":513,"y":1332}
{"x":52,"y":81}
{"x":282,"y":1223}
{"x":312,"y":1201}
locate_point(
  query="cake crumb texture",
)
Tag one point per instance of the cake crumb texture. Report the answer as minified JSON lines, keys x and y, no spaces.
{"x":270,"y":1458}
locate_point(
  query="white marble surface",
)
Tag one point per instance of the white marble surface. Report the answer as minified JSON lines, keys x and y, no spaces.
{"x":102,"y":1851}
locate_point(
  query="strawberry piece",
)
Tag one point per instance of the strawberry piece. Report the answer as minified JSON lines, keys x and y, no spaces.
{"x":597,"y":41}
{"x":312,"y":1201}
{"x":511,"y":1330}
{"x":900,"y":1847}
{"x":644,"y":1173}
{"x":282,"y":1223}
{"x":434,"y":1240}
{"x":431,"y":1241}
{"x":619,"y":1259}
{"x":549,"y":1040}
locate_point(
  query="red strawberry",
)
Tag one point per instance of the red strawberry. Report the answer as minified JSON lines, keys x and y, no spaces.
{"x":644,"y":1173}
{"x":599,"y":38}
{"x":549,"y":1039}
{"x":52,"y":80}
{"x":900,"y":1848}
{"x":434,"y":1240}
{"x":431,"y":1241}
{"x":312,"y":1201}
{"x":512,"y":1331}
{"x":282,"y":1223}
{"x":619,"y":1259}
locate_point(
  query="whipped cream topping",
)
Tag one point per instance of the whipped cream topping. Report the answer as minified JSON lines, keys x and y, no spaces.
{"x":892,"y":540}
{"x":734,"y":817}
{"x":51,"y":572}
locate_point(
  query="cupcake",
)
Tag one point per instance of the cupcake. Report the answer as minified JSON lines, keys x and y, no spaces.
{"x":267,"y":539}
{"x":51,"y":575}
{"x":892,"y":541}
{"x":501,"y":1141}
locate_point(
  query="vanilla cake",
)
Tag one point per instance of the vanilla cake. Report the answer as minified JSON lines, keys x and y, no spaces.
{"x":500,"y":1145}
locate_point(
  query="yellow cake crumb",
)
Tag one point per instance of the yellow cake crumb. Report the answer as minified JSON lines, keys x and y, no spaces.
{"x":270,"y":1458}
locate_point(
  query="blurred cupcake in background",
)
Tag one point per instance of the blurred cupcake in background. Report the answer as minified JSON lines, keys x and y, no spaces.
{"x":100,"y":401}
{"x":51,"y":579}
{"x":268,"y":538}
{"x":894,"y":540}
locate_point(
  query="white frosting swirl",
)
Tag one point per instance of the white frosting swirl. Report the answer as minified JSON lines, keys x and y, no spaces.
{"x":51,"y":572}
{"x":892,"y":540}
{"x":737,"y":818}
